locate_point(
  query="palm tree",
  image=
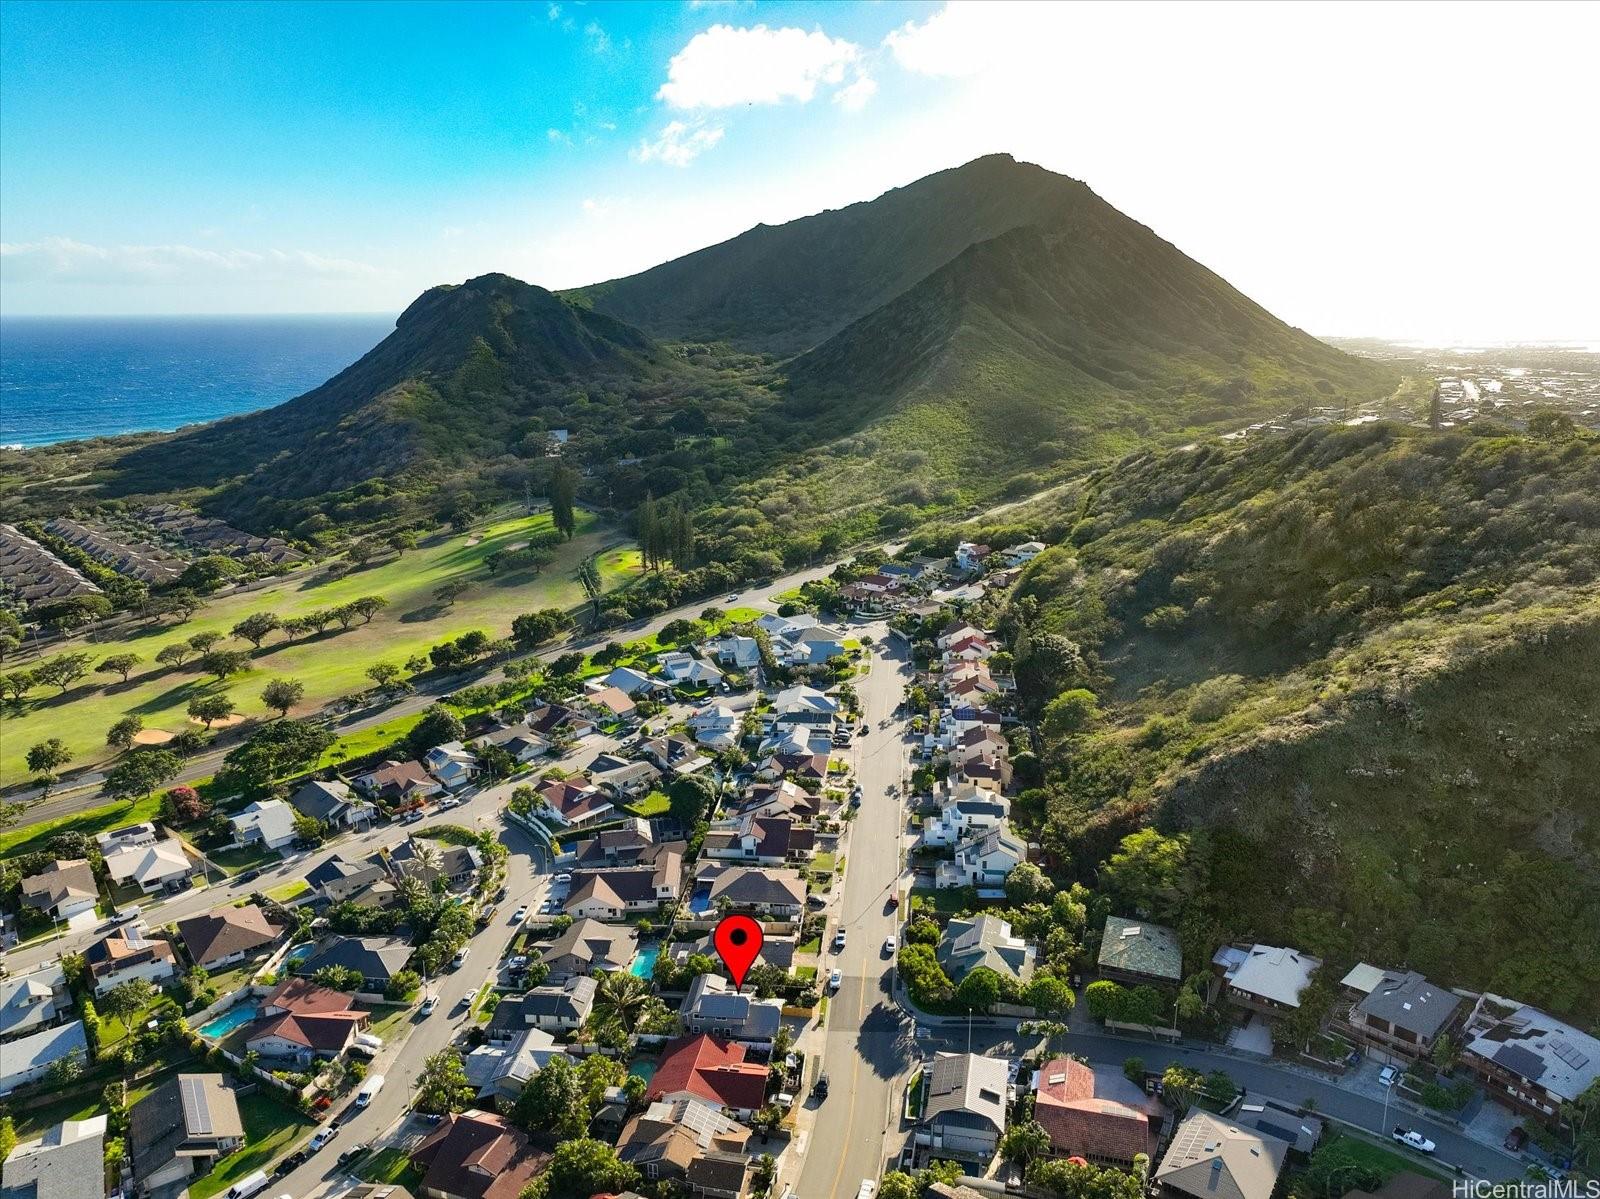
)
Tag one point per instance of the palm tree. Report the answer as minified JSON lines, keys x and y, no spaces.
{"x":426,"y":855}
{"x":621,"y":997}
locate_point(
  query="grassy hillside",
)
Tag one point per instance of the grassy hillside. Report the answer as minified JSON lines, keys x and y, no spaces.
{"x":1355,"y":664}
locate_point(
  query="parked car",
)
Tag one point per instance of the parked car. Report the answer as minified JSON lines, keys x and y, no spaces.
{"x":838,"y":941}
{"x":1516,"y":1139}
{"x":460,"y":959}
{"x":820,"y":1087}
{"x":521,"y":914}
{"x":1387,"y":1076}
{"x":835,"y":979}
{"x":731,"y":598}
{"x":248,"y":876}
{"x":369,"y":1088}
{"x":322,"y":1137}
{"x":448,"y":802}
{"x":894,"y":901}
{"x":412,"y":818}
{"x":816,"y":902}
{"x":1413,"y":1140}
{"x":888,"y":946}
{"x":428,"y":1004}
{"x":353,"y":1152}
{"x":562,"y":879}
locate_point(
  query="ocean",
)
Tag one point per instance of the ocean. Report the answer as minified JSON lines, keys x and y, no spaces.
{"x":70,"y":377}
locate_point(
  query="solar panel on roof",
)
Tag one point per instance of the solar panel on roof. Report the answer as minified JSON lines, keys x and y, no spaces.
{"x":1570,"y":1054}
{"x":196,"y":1110}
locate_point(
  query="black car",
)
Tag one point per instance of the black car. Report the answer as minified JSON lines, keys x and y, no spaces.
{"x":353,"y":1152}
{"x":248,"y":876}
{"x":820,"y":1087}
{"x":289,"y":1163}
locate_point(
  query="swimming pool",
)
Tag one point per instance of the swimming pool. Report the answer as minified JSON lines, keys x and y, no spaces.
{"x":644,"y":963}
{"x":239,"y":1014}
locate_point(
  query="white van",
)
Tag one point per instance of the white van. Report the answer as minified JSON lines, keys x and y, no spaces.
{"x":366,"y":1044}
{"x":248,"y":1186}
{"x":369,"y":1088}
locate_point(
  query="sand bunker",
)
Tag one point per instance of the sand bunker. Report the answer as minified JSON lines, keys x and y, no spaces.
{"x":152,"y":737}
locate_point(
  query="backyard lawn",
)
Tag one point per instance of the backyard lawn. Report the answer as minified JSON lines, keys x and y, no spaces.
{"x":270,"y":1130}
{"x":329,"y":665}
{"x":91,"y":821}
{"x":654,"y":804}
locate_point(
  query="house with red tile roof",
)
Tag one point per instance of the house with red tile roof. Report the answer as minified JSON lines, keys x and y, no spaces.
{"x":711,"y":1069}
{"x":1092,"y":1116}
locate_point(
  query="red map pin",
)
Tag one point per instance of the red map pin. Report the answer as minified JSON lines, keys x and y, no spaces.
{"x":738,"y":942}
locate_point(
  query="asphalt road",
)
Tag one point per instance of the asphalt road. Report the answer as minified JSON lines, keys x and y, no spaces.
{"x":527,"y":879}
{"x":867,"y":1046}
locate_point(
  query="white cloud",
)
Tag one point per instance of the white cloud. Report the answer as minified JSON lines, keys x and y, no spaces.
{"x":727,"y":66}
{"x":678,"y":144}
{"x":853,"y":97}
{"x":599,"y":39}
{"x":555,"y":136}
{"x":64,"y":259}
{"x":965,"y":38}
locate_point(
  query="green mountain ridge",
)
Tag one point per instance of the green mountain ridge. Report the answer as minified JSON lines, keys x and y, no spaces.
{"x":982,"y":330}
{"x":781,"y":289}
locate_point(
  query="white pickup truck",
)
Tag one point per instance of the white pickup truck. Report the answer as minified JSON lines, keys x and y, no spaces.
{"x":1413,"y":1140}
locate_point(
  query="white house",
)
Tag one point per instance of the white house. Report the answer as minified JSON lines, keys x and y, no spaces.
{"x":741,"y":653}
{"x":801,"y":704}
{"x":983,"y":860}
{"x":716,"y":725}
{"x":29,"y":1058}
{"x":159,"y":867}
{"x":1026,"y":552}
{"x":970,"y":558}
{"x":679,"y":667}
{"x":452,"y":763}
{"x":269,"y":824}
{"x":974,"y":810}
{"x":130,"y":952}
{"x":123,"y":838}
{"x":629,"y":681}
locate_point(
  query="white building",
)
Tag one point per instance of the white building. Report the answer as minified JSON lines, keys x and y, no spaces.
{"x":269,"y":824}
{"x":154,"y":868}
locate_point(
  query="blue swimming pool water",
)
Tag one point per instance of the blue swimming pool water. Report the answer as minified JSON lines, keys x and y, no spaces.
{"x":644,"y":964}
{"x":700,"y":901}
{"x":240,"y":1013}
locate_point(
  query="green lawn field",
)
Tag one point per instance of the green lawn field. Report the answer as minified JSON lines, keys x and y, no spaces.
{"x":332,"y":664}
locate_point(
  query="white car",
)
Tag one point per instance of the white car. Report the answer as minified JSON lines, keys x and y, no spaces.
{"x":888,"y":946}
{"x":321,"y":1138}
{"x":838,"y":941}
{"x":521,"y":914}
{"x":448,"y":802}
{"x":428,"y":1004}
{"x":561,"y":880}
{"x":460,"y":959}
{"x":731,"y":598}
{"x":835,"y":979}
{"x":1387,"y":1076}
{"x":1413,"y":1140}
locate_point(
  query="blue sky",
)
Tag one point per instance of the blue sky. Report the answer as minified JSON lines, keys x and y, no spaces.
{"x":1340,"y":164}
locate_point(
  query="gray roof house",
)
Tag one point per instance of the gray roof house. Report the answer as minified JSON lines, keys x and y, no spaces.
{"x":984,"y":941}
{"x":67,"y":1162}
{"x":553,"y":1008}
{"x":1405,"y":1013}
{"x":771,"y":891}
{"x":964,"y":1105}
{"x":33,"y":1001}
{"x":713,"y":1006}
{"x":376,"y":959}
{"x":330,"y":802}
{"x":1137,"y":951}
{"x":589,"y":945}
{"x":26,"y":1059}
{"x":1212,"y":1158}
{"x":177,"y":1130}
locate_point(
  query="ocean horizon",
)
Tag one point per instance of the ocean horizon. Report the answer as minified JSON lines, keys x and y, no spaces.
{"x":63,"y":378}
